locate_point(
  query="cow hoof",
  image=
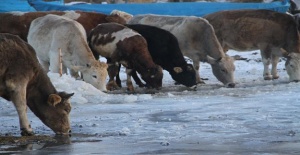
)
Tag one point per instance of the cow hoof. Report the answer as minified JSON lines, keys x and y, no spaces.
{"x":112,"y":86}
{"x":130,"y":89}
{"x":267,"y":78}
{"x":176,"y":83}
{"x":141,"y":85}
{"x":276,"y":77}
{"x":27,"y":133}
{"x":201,"y":82}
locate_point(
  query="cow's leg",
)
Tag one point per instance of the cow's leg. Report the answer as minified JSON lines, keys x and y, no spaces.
{"x":118,"y":80}
{"x":112,"y":72}
{"x":18,"y":97}
{"x":129,"y":82}
{"x":54,"y":62}
{"x":275,"y":60}
{"x":196,"y":64}
{"x":266,"y":59}
{"x":137,"y":79}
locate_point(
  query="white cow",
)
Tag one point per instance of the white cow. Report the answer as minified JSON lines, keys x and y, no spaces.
{"x":197,"y":40}
{"x":50,"y":33}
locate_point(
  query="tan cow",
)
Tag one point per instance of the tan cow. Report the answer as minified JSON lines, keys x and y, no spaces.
{"x":50,"y":33}
{"x":18,"y":23}
{"x":197,"y":40}
{"x":269,"y":31}
{"x":24,"y":82}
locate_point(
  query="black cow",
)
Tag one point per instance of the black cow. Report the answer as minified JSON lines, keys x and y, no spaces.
{"x":164,"y":49}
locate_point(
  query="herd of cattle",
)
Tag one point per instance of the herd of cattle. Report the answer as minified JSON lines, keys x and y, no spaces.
{"x":34,"y":43}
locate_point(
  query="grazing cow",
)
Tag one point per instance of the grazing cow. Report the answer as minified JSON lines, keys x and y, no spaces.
{"x":24,"y":82}
{"x":18,"y":23}
{"x":197,"y":41}
{"x":120,"y":44}
{"x":269,"y":31}
{"x":50,"y":33}
{"x":164,"y":50}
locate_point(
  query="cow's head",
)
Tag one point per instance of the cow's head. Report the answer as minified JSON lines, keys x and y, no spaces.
{"x":55,"y":114}
{"x":126,"y":16}
{"x":292,"y":66}
{"x":94,"y":73}
{"x":153,"y":77}
{"x":223,"y":69}
{"x":185,"y":75}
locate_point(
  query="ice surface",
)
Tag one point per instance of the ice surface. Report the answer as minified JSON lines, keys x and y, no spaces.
{"x":256,"y":117}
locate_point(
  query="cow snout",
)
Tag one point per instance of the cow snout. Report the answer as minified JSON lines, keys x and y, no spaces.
{"x":230,"y":85}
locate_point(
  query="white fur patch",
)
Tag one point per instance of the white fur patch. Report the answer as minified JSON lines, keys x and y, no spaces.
{"x":17,"y":13}
{"x":126,"y":16}
{"x":71,"y":15}
{"x":109,"y":48}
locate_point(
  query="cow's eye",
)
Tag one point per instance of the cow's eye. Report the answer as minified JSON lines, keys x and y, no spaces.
{"x":94,"y":76}
{"x":223,"y":70}
{"x":67,"y":110}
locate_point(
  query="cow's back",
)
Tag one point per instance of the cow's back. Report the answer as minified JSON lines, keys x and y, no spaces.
{"x":18,"y":23}
{"x":49,"y":33}
{"x":14,"y":53}
{"x":252,"y":29}
{"x":192,"y":33}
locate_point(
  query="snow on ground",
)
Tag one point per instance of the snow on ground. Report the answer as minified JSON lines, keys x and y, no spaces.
{"x":256,"y":117}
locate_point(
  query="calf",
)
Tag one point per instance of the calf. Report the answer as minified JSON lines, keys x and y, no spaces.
{"x":164,"y":50}
{"x":24,"y":82}
{"x":269,"y":31}
{"x":18,"y":23}
{"x":197,"y":41}
{"x":50,"y":33}
{"x":120,"y":44}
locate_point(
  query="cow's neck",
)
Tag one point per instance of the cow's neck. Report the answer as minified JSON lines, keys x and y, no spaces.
{"x":38,"y":90}
{"x":214,"y":49}
{"x":142,"y":61}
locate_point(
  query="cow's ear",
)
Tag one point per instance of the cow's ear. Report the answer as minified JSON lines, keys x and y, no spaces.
{"x":177,"y":70}
{"x":68,"y":96}
{"x":54,"y":99}
{"x":285,"y":53}
{"x":210,"y":60}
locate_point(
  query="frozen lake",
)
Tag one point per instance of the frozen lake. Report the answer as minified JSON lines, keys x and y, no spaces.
{"x":256,"y":117}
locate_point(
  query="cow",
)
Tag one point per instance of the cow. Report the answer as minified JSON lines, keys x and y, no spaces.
{"x":51,"y":33}
{"x":274,"y":34}
{"x":18,"y":23}
{"x":120,"y":44}
{"x":25,"y":83}
{"x":164,"y":50}
{"x":197,"y":40}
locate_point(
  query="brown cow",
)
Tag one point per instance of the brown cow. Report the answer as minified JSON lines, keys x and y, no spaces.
{"x":269,"y":31}
{"x":120,"y":44}
{"x":18,"y":23}
{"x":24,"y":82}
